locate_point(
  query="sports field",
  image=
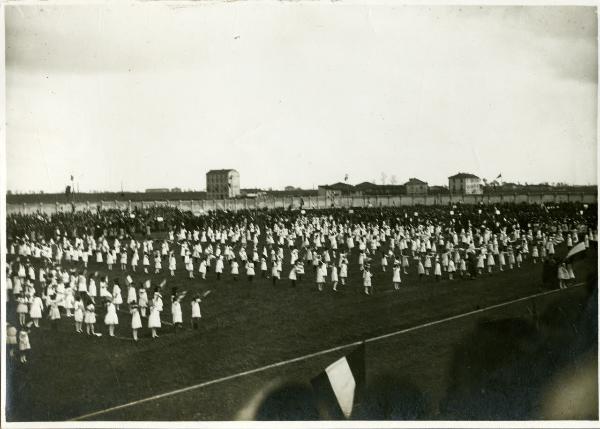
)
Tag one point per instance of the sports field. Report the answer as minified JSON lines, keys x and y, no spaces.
{"x":245,"y":327}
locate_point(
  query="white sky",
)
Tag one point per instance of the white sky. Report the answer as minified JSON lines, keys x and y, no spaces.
{"x":297,"y":93}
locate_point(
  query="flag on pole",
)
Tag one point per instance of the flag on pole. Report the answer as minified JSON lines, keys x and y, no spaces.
{"x":338,"y":389}
{"x":576,"y":252}
{"x":499,"y":176}
{"x":346,"y":177}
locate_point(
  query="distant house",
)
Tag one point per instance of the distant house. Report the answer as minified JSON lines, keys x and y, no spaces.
{"x":415,"y":187}
{"x":336,"y":190}
{"x":438,"y":190}
{"x":175,"y":189}
{"x":156,"y":190}
{"x":465,"y":183}
{"x":221,"y":184}
{"x":289,"y":188}
{"x":370,"y":189}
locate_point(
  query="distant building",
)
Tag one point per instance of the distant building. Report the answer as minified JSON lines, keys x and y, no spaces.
{"x":415,"y":187}
{"x":221,"y":184}
{"x":369,"y":188}
{"x":465,"y":183}
{"x":336,"y":190}
{"x":289,"y":188}
{"x":438,"y":190}
{"x":156,"y":190}
{"x":175,"y":189}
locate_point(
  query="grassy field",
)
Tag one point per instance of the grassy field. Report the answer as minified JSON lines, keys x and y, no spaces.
{"x":248,"y":326}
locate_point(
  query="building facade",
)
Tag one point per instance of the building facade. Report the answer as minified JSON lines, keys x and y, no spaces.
{"x":465,"y":183}
{"x":416,"y":187}
{"x":336,"y":190}
{"x":221,"y":184}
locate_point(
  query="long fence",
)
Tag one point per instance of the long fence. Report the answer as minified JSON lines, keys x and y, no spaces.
{"x":202,"y":206}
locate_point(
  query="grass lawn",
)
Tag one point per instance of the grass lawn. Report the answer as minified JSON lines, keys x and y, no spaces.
{"x":247,"y":326}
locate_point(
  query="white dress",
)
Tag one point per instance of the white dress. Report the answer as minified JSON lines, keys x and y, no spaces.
{"x":78,"y":315}
{"x":90,"y":315}
{"x":118,"y":299}
{"x":396,"y":276}
{"x":136,"y":320}
{"x":36,"y":308}
{"x":176,"y":312}
{"x":131,"y":295}
{"x":196,"y":309}
{"x":111,"y":317}
{"x":154,"y":319}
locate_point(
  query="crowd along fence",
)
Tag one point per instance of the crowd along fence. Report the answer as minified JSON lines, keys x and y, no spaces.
{"x":202,"y":206}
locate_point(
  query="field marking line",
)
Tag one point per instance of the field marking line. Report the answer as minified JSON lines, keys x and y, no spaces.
{"x":319,"y":353}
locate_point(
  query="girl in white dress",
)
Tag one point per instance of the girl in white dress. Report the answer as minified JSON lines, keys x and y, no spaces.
{"x":563,"y":276}
{"x":134,"y":260}
{"x":131,"y":294}
{"x":124,"y":260}
{"x":405,"y":263}
{"x":396,"y":276}
{"x":117,"y":299}
{"x":480,"y":259}
{"x":274,"y":273}
{"x":490,"y":262}
{"x":143,"y":300}
{"x":334,"y":277}
{"x":535,"y":254}
{"x":157,"y":262}
{"x":54,"y":312}
{"x":69,"y":301}
{"x":78,"y":314}
{"x":320,"y":276}
{"x":196,"y":311}
{"x":367,"y":280}
{"x":90,"y":319}
{"x":111,"y":319}
{"x":202,"y":269}
{"x":189,"y":266}
{"x":136,"y":321}
{"x":451,"y":269}
{"x":219,"y":267}
{"x":250,"y":271}
{"x":292,"y":276}
{"x":146,"y":262}
{"x":427,"y":264}
{"x":35,"y":312}
{"x":384,"y":262}
{"x":154,"y":319}
{"x":420,"y":268}
{"x":344,"y":271}
{"x":172,"y":264}
{"x":24,"y":345}
{"x":263,"y":267}
{"x":110,"y":260}
{"x":235,"y":269}
{"x":22,"y":309}
{"x":463,"y":267}
{"x":501,"y":260}
{"x":176,"y":313}
{"x":437,"y":270}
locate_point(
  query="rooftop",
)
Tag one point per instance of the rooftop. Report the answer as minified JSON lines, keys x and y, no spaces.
{"x":225,"y":170}
{"x":415,"y":181}
{"x":463,"y":176}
